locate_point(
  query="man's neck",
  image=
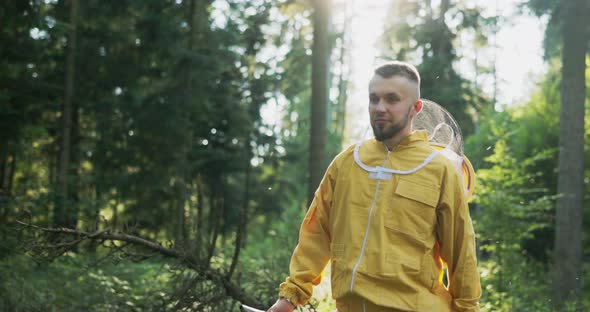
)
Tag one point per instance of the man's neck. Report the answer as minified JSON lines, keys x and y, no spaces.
{"x":394,"y":141}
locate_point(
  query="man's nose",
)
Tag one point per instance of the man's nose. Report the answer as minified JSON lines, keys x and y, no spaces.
{"x":380,"y":107}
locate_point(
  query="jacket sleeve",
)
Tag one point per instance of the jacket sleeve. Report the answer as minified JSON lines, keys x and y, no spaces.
{"x":313,"y":250}
{"x":457,"y":240}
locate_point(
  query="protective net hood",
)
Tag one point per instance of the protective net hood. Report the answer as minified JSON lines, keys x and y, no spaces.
{"x":443,"y":130}
{"x":445,"y":135}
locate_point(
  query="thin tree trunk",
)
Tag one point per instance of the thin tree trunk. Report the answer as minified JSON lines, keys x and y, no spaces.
{"x":214,"y":217}
{"x":115,"y":222}
{"x":199,"y":218}
{"x":62,"y":212}
{"x":444,"y":7}
{"x":319,"y":93}
{"x":197,"y":16}
{"x":343,"y":77}
{"x":429,"y":11}
{"x":567,"y":278}
{"x":11,"y":172}
{"x":103,"y":118}
{"x":218,"y":218}
{"x":95,"y":217}
{"x":445,"y":47}
{"x":73,"y":174}
{"x":181,"y":199}
{"x":53,"y":157}
{"x":96,"y":206}
{"x":7,"y":178}
{"x":3,"y":162}
{"x":243,"y":220}
{"x":3,"y":208}
{"x":495,"y":55}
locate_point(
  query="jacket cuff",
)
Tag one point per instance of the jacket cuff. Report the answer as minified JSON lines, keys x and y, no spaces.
{"x":292,"y":294}
{"x":457,"y":306}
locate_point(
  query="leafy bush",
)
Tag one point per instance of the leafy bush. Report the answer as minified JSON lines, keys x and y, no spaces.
{"x":74,"y":283}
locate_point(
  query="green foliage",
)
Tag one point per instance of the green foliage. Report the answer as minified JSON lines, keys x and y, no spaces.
{"x":509,"y":212}
{"x":266,"y":257}
{"x":516,"y":152}
{"x":168,"y":138}
{"x":74,"y":283}
{"x":170,"y":143}
{"x":425,"y":35}
{"x":550,"y":9}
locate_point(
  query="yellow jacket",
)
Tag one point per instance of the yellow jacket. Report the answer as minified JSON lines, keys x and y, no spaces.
{"x":388,"y":234}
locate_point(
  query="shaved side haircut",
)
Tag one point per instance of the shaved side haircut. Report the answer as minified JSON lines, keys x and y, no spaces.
{"x":397,"y":68}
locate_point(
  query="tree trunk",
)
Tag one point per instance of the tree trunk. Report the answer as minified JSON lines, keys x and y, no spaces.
{"x":3,"y":162}
{"x":62,"y":215}
{"x":6,"y":179}
{"x":444,"y":7}
{"x":73,"y":167}
{"x":53,"y":162}
{"x":340,"y":123}
{"x":429,"y":11}
{"x":103,"y":127}
{"x":115,"y":222}
{"x":242,"y":221}
{"x":443,"y":44}
{"x":11,"y":172}
{"x":198,"y":239}
{"x":570,"y":185}
{"x":319,"y":93}
{"x":217,"y":219}
{"x":181,"y":200}
{"x":197,"y":17}
{"x":209,"y":231}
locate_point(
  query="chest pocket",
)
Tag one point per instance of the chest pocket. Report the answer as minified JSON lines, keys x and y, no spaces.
{"x":412,"y":210}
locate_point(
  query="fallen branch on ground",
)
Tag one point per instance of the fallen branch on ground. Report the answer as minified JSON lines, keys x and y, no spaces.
{"x":232,"y":290}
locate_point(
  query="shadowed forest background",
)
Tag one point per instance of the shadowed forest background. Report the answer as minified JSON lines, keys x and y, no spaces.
{"x":140,"y":168}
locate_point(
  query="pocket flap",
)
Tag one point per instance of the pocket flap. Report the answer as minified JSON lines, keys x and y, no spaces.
{"x":426,"y":194}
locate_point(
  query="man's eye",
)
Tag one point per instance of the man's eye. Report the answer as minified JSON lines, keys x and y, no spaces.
{"x":373,"y":99}
{"x":391,"y":99}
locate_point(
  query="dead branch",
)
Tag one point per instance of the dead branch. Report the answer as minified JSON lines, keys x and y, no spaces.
{"x":232,"y":290}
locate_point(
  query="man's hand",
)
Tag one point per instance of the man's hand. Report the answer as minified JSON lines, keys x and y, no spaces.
{"x":281,"y":305}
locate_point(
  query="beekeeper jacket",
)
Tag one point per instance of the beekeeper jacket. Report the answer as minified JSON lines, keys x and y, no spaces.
{"x":388,"y":221}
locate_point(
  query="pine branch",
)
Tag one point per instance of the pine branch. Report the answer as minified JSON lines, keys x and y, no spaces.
{"x":233,"y":290}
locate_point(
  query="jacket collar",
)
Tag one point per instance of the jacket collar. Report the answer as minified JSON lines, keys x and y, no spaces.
{"x":374,"y":161}
{"x":415,"y":138}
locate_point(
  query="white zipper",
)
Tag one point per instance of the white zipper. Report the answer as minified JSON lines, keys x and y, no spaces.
{"x":358,"y":262}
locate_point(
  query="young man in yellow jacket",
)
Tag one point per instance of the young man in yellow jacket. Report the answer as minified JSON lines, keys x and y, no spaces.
{"x":388,"y":213}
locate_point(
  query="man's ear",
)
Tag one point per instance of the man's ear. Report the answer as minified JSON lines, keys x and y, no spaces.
{"x":418,"y":106}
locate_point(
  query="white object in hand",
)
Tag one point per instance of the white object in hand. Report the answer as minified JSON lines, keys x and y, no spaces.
{"x":246,"y":308}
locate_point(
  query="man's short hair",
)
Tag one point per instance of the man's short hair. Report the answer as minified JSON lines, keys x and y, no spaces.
{"x":397,"y":68}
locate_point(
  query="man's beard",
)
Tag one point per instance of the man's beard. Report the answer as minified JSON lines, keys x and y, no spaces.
{"x":387,"y":133}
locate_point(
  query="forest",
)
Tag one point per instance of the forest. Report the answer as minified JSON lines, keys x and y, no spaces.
{"x":160,"y":155}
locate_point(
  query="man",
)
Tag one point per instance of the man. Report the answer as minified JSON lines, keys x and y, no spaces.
{"x":388,"y":213}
